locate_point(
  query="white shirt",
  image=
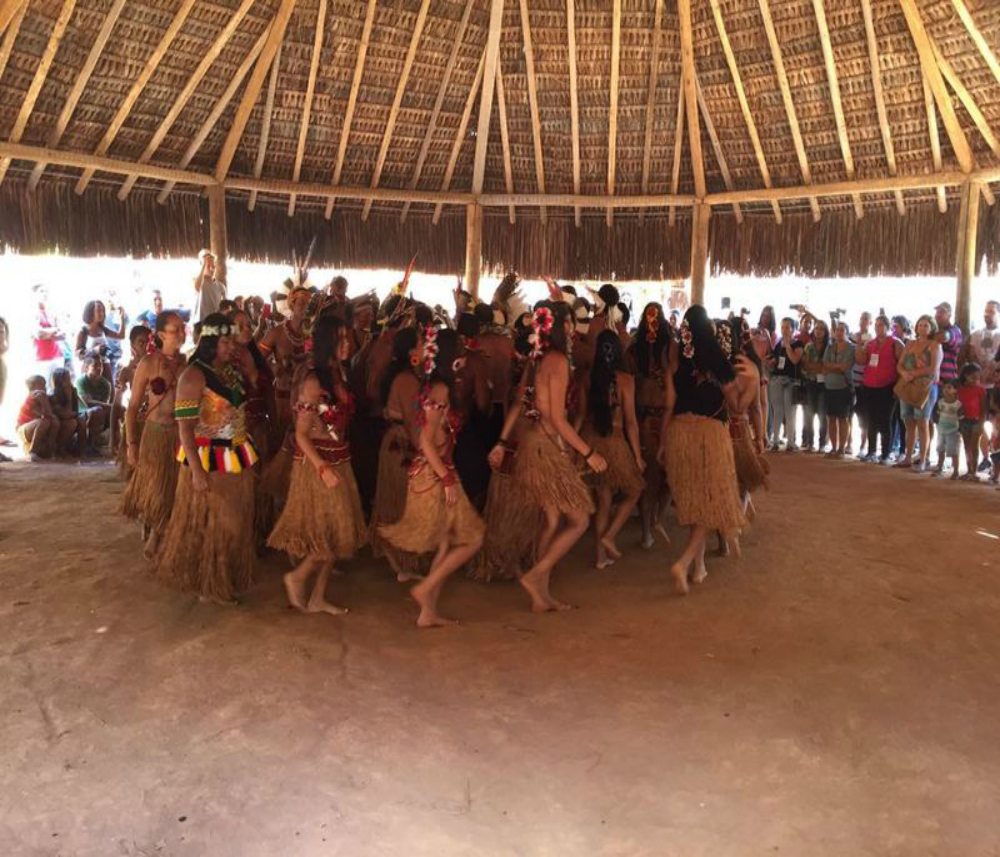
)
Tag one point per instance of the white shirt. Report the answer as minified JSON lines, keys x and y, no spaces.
{"x":212,"y":293}
{"x":983,"y":345}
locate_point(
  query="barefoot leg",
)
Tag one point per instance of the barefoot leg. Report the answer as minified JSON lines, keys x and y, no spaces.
{"x":317,"y":600}
{"x":694,"y":548}
{"x":295,"y":583}
{"x":427,"y":592}
{"x":536,"y":581}
{"x":621,"y":515}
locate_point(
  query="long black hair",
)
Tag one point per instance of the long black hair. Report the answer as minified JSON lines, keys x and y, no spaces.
{"x":255,"y":355}
{"x":402,"y":346}
{"x":160,"y":325}
{"x":603,"y":379}
{"x":326,"y":335}
{"x":708,"y":358}
{"x":742,"y":343}
{"x":649,"y":354}
{"x":558,"y":339}
{"x":449,"y":349}
{"x":90,"y":311}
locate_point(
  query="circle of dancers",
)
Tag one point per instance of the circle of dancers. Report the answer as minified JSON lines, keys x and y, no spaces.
{"x":490,"y":443}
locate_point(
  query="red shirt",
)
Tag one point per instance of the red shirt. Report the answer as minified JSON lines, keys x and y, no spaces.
{"x":972,"y":401}
{"x":46,"y":349}
{"x":27,"y":412}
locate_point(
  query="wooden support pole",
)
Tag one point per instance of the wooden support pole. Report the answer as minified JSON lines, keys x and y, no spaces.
{"x":473,"y":247}
{"x":217,"y":228}
{"x":699,"y":251}
{"x":966,"y":256}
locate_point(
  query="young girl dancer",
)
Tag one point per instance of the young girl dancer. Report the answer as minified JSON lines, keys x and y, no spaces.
{"x":322,"y":520}
{"x":438,"y":515}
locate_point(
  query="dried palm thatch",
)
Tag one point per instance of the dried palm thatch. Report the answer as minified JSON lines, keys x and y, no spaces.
{"x":131,"y":98}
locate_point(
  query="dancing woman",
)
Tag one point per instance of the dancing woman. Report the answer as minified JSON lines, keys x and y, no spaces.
{"x":208,"y":545}
{"x":611,"y":429}
{"x":322,"y":520}
{"x":149,"y":495}
{"x":543,"y":465}
{"x":697,"y":452}
{"x":438,"y":516}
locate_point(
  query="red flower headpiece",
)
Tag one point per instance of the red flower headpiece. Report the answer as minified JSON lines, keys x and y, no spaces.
{"x":541,"y":327}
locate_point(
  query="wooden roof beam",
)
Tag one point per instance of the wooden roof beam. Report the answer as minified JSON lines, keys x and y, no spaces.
{"x":352,"y":101}
{"x":41,"y":72}
{"x":275,"y":37}
{"x":675,"y":173}
{"x":574,"y":109}
{"x":536,"y":126}
{"x":78,"y":86}
{"x":486,"y":95}
{"x":968,"y":102}
{"x":717,"y":148}
{"x":959,"y":142}
{"x":883,"y":116}
{"x":217,"y":110}
{"x":397,"y":101}
{"x":300,"y":150}
{"x":508,"y":173}
{"x":789,"y":102}
{"x":210,"y":56}
{"x":977,"y":37}
{"x":265,"y":130}
{"x":616,"y":38}
{"x":10,"y":35}
{"x":838,"y":108}
{"x":741,"y":95}
{"x":439,"y":102}
{"x":935,"y":138}
{"x":654,"y":69}
{"x":688,"y":78}
{"x":463,"y":125}
{"x":11,"y":10}
{"x":140,"y":84}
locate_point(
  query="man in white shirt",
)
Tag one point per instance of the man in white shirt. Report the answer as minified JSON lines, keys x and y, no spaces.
{"x":981,"y":348}
{"x":210,"y":291}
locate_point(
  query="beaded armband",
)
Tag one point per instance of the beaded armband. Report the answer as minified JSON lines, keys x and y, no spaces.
{"x":450,"y":477}
{"x":187,"y":409}
{"x":306,"y":408}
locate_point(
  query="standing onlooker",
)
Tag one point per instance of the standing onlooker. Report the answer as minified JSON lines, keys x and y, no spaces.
{"x":860,"y":341}
{"x":4,"y":344}
{"x":972,"y":395}
{"x":950,"y":337}
{"x":981,"y":348}
{"x":838,"y":366}
{"x":897,"y":430}
{"x":880,"y":358}
{"x":95,"y":336}
{"x":815,"y":381}
{"x":919,"y":368}
{"x":148,"y":317}
{"x":949,"y":419}
{"x":48,"y":337}
{"x":210,"y":291}
{"x":784,"y":365}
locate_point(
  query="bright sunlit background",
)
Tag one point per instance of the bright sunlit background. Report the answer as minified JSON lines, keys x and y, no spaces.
{"x":71,"y":282}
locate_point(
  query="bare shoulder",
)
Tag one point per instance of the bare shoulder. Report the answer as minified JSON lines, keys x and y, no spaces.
{"x":626,"y":382}
{"x":309,"y":389}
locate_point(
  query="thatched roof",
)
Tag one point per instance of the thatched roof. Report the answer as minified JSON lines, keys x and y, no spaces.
{"x":641,"y":242}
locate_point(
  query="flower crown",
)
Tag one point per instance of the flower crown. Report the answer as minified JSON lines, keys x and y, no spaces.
{"x":724,"y":335}
{"x":217,"y":330}
{"x":430,"y":350}
{"x":652,"y":325}
{"x":687,"y":340}
{"x":541,"y":326}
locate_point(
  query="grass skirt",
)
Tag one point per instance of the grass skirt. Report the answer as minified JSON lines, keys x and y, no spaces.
{"x":390,"y":500}
{"x":428,"y":518}
{"x":320,"y":521}
{"x":547,"y":473}
{"x":702,"y":473}
{"x":514,"y":523}
{"x":751,"y":469}
{"x":149,"y":495}
{"x":623,"y":474}
{"x":124,"y":468}
{"x":208,"y":547}
{"x":271,"y":490}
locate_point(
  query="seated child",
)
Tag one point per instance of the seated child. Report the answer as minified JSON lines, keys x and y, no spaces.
{"x":66,"y":406}
{"x":949,"y":410}
{"x":37,"y":425}
{"x":96,"y":393}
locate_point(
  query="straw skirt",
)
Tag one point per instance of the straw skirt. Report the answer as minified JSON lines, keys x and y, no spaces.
{"x":702,"y":473}
{"x":319,"y":521}
{"x":390,"y":499}
{"x":622,"y":474}
{"x":514,"y":523}
{"x":149,"y":495}
{"x":547,"y":473}
{"x":428,"y":519}
{"x":208,"y":547}
{"x":751,"y":469}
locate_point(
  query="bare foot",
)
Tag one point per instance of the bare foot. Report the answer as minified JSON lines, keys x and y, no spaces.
{"x":647,"y":541}
{"x":679,"y":574}
{"x":294,"y":590}
{"x":611,"y":548}
{"x":429,"y":617}
{"x":663,"y":532}
{"x":321,"y":605}
{"x":407,"y":577}
{"x":733,"y":545}
{"x":541,"y":601}
{"x":152,"y":543}
{"x":700,"y":572}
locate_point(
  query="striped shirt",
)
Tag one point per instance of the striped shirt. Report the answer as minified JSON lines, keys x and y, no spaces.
{"x":951,"y":347}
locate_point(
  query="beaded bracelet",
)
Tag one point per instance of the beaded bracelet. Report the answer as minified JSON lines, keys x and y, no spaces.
{"x":187,"y":409}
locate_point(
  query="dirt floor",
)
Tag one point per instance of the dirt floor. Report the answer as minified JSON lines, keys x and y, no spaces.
{"x":836,"y":692}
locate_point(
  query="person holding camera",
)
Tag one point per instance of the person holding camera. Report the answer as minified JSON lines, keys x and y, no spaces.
{"x":784,"y":365}
{"x":95,"y":336}
{"x":210,"y":291}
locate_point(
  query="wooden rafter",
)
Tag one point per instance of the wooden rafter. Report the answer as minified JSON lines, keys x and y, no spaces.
{"x":508,"y":173}
{"x":140,"y":84}
{"x":976,"y":35}
{"x":654,"y":70}
{"x":789,"y":102}
{"x":536,"y":125}
{"x":463,"y":125}
{"x":720,"y":156}
{"x":397,"y":100}
{"x":265,"y":130}
{"x":616,"y":39}
{"x":838,"y":107}
{"x":968,"y":102}
{"x":10,"y":10}
{"x":78,"y":86}
{"x":439,"y":102}
{"x":41,"y":72}
{"x":883,"y":116}
{"x":574,"y":110}
{"x":935,"y":138}
{"x":741,"y":95}
{"x":486,"y":95}
{"x":959,"y":142}
{"x":275,"y":37}
{"x":10,"y":35}
{"x":217,"y":110}
{"x":689,"y":78}
{"x":209,"y":57}
{"x":352,"y":100}
{"x":675,"y":173}
{"x":317,"y":49}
